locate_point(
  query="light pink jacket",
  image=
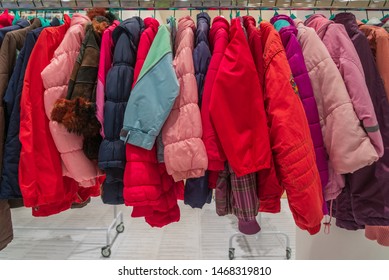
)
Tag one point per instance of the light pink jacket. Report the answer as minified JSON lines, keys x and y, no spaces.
{"x":185,"y":155}
{"x":343,"y":53}
{"x":55,"y":80}
{"x":105,"y":64}
{"x":347,"y":144}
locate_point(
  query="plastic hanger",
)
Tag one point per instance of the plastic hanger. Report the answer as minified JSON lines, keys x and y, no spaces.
{"x":16,"y":18}
{"x":260,"y":16}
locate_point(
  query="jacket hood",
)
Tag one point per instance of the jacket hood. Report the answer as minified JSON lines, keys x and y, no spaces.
{"x":286,"y":31}
{"x":6,"y":19}
{"x":79,"y":19}
{"x":183,"y":24}
{"x":203,"y":23}
{"x":218,"y":23}
{"x":248,"y":20}
{"x":349,"y":21}
{"x":320,"y":23}
{"x":151,"y":23}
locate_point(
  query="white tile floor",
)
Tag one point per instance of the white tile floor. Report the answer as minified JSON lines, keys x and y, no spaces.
{"x":200,"y":234}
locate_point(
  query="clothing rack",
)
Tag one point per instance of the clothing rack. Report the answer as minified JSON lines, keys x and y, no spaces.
{"x":331,"y":5}
{"x":117,"y":223}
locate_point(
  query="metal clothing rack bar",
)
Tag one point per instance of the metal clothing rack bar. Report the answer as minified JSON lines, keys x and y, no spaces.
{"x":116,"y":223}
{"x":333,"y":5}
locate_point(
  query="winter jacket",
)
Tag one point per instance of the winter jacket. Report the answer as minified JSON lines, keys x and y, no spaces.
{"x":368,"y":188}
{"x":197,"y":192}
{"x":338,"y":118}
{"x":238,"y":196}
{"x":77,"y":112}
{"x":55,"y":80}
{"x":379,"y":44}
{"x":290,"y":139}
{"x":112,"y":155}
{"x":9,"y":188}
{"x":184,"y":152}
{"x":12,"y":43}
{"x":105,"y":64}
{"x":218,"y":41}
{"x":142,"y":185}
{"x":245,"y":140}
{"x":342,"y":51}
{"x":6,"y":19}
{"x":20,"y":24}
{"x":40,"y":171}
{"x":6,"y":230}
{"x":294,"y":53}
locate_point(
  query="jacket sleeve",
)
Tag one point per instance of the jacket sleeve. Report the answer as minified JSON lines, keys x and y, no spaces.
{"x":352,"y":72}
{"x":150,"y":103}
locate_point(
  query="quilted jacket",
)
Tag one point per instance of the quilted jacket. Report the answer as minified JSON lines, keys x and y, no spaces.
{"x":184,"y":151}
{"x":342,"y":51}
{"x":197,"y":192}
{"x":336,"y":113}
{"x":55,"y":80}
{"x":290,"y":139}
{"x":119,"y":81}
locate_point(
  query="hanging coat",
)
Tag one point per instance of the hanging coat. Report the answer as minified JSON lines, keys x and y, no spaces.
{"x":6,"y":230}
{"x":6,"y":19}
{"x":20,"y":24}
{"x":9,"y":188}
{"x":291,"y":142}
{"x":288,"y":34}
{"x":77,"y":112}
{"x":12,"y":43}
{"x":40,"y":171}
{"x":379,"y":44}
{"x":55,"y":80}
{"x":197,"y":192}
{"x":338,"y":118}
{"x":184,"y":152}
{"x":105,"y":64}
{"x":342,"y":51}
{"x":367,"y":196}
{"x":112,"y":155}
{"x":218,"y":41}
{"x":235,"y":101}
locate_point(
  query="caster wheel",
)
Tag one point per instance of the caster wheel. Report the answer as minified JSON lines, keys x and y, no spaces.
{"x":231,"y":253}
{"x":288,"y":253}
{"x":120,"y":228}
{"x":106,"y":251}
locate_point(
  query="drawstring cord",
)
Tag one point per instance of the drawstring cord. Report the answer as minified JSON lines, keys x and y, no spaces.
{"x":327,"y":225}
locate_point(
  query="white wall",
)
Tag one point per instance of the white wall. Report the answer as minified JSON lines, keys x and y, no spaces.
{"x":339,"y":244}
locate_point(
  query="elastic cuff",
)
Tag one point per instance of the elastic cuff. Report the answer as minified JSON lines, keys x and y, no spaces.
{"x":249,"y":227}
{"x":311,"y":230}
{"x":137,"y":138}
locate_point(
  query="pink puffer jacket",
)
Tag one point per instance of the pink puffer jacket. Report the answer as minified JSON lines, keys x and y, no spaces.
{"x":55,"y":80}
{"x":185,"y":154}
{"x":347,"y":144}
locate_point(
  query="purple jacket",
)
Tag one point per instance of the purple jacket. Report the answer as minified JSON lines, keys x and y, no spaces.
{"x":343,"y":53}
{"x":365,"y":199}
{"x":300,"y":74}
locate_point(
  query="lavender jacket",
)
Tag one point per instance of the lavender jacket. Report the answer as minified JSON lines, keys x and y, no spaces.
{"x":365,"y":200}
{"x":342,"y":51}
{"x":294,"y":53}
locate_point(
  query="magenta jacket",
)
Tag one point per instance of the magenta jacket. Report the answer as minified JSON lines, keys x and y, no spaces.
{"x":104,"y":65}
{"x":343,"y":53}
{"x":294,"y":53}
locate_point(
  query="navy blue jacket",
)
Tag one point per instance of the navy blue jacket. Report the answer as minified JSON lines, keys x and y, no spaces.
{"x":9,"y":187}
{"x":112,"y":153}
{"x":197,"y":192}
{"x":22,"y":23}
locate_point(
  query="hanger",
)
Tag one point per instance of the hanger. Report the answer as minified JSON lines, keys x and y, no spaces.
{"x":260,"y":16}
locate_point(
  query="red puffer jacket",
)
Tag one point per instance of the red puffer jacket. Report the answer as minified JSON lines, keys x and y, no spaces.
{"x":237,"y":109}
{"x":290,"y":138}
{"x":142,"y":184}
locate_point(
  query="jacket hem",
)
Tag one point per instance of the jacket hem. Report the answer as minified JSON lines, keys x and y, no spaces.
{"x":182,"y":175}
{"x":243,"y":172}
{"x":349,"y":225}
{"x":311,"y":230}
{"x":270,"y":206}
